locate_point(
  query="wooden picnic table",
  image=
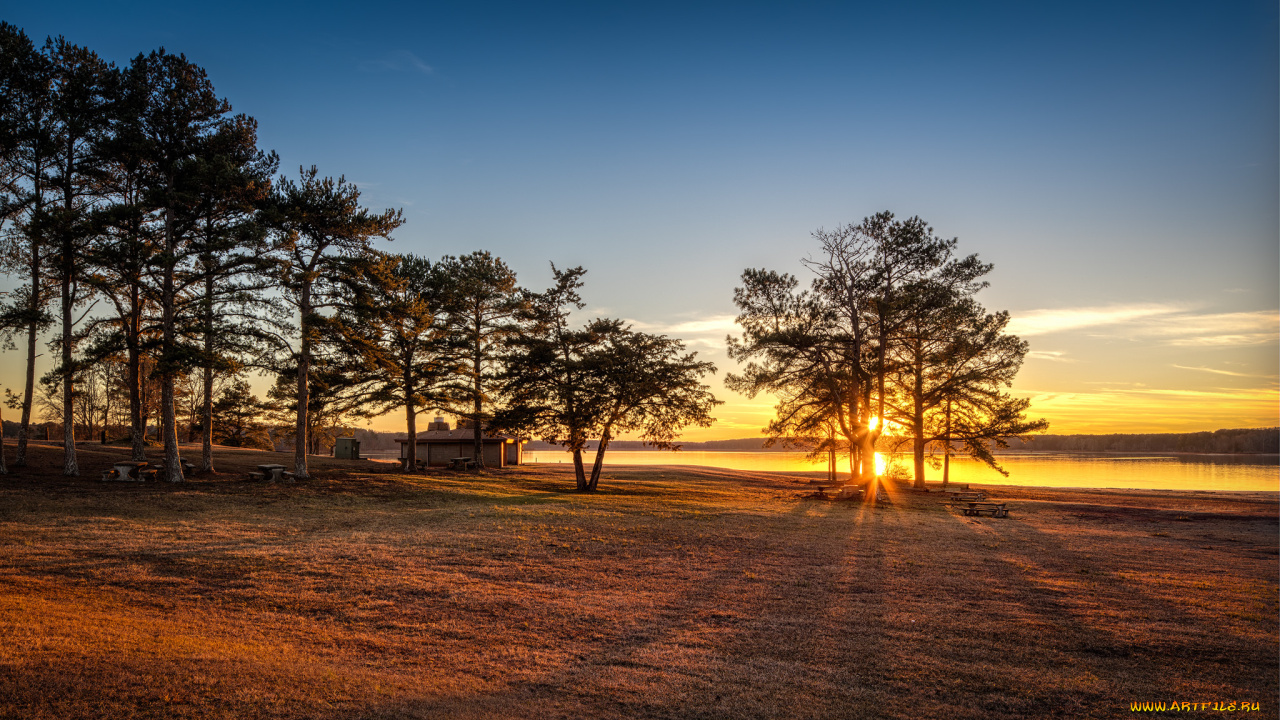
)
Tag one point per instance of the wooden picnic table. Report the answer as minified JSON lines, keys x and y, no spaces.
{"x":996,"y":509}
{"x":462,"y":463}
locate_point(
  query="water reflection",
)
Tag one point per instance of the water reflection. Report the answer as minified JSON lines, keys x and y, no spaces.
{"x":1148,"y":471}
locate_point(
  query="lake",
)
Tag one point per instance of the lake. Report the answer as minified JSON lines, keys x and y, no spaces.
{"x":1147,"y":471}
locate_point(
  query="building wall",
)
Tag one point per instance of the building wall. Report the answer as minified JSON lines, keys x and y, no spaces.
{"x":439,"y":454}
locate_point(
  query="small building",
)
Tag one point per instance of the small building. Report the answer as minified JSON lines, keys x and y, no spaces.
{"x":438,"y":445}
{"x":347,"y":448}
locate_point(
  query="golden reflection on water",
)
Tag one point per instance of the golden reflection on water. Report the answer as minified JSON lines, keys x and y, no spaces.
{"x":1185,"y":472}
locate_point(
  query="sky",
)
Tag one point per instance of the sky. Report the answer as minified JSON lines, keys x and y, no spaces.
{"x":1116,"y":162}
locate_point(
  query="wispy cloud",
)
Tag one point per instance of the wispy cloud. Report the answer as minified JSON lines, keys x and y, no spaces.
{"x":1216,"y":371}
{"x":1168,"y":323}
{"x":1241,"y":328}
{"x":398,"y":61}
{"x":706,"y":332}
{"x":1051,"y":355}
{"x":714,"y":324}
{"x":1043,"y":322}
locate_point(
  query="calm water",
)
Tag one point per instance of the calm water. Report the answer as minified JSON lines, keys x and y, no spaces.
{"x":1162,"y":472}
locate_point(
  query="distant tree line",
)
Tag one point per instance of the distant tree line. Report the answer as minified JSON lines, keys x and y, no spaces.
{"x":887,"y":340}
{"x":155,"y":243}
{"x":1251,"y":440}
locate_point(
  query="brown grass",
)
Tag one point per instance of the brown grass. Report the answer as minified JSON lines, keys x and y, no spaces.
{"x":672,"y":593}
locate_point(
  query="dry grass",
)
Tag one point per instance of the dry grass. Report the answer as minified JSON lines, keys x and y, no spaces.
{"x":673,"y":593}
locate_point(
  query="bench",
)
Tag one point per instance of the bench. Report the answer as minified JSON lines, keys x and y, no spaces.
{"x":969,"y":496}
{"x":996,"y":509}
{"x":257,"y":476}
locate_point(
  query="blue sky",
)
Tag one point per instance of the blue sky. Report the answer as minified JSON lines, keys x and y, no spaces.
{"x":1117,"y":162}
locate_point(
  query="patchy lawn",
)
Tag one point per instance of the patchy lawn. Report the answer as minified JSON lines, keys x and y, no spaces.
{"x":671,"y":593}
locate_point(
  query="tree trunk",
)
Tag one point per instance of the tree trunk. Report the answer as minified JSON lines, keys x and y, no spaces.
{"x":133,"y":342}
{"x":579,"y":473}
{"x":867,"y":454}
{"x":3,"y":469}
{"x":411,"y":425}
{"x":137,"y":425}
{"x":304,"y":398}
{"x":69,"y":466}
{"x":946,"y":451}
{"x":917,"y":418}
{"x":477,"y":399}
{"x":168,"y":322}
{"x":33,"y":333}
{"x":66,"y":273}
{"x":206,"y":411}
{"x":599,"y":463}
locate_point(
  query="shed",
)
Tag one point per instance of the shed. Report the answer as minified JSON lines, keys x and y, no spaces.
{"x":347,"y":448}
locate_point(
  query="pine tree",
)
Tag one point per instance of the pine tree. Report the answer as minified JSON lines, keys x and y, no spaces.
{"x":318,"y":220}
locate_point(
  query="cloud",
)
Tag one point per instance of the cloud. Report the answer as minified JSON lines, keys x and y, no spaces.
{"x":1051,"y":355}
{"x":1242,"y":328}
{"x":1168,"y":323}
{"x":715,"y":325}
{"x":1219,"y":372}
{"x":1043,"y":322}
{"x":398,"y":61}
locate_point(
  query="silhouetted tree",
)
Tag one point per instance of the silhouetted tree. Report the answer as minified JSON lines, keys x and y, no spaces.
{"x":390,"y":335}
{"x":237,"y":417}
{"x":29,"y":157}
{"x":128,"y":245}
{"x":481,"y":306}
{"x":229,"y":182}
{"x":80,"y":94}
{"x":545,"y":371}
{"x":838,"y":354}
{"x":319,"y":219}
{"x":180,"y":114}
{"x":645,"y":384}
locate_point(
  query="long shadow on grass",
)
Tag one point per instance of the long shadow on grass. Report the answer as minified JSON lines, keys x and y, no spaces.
{"x":1071,"y":662}
{"x":1176,"y":641}
{"x":786,"y":626}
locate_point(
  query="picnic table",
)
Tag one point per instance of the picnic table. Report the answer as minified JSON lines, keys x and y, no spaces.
{"x":274,"y":473}
{"x":969,"y":496}
{"x":996,"y":509}
{"x":462,"y":463}
{"x":843,"y":492}
{"x":125,"y":470}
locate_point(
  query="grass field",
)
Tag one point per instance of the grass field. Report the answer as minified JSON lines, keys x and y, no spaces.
{"x":671,"y":593}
